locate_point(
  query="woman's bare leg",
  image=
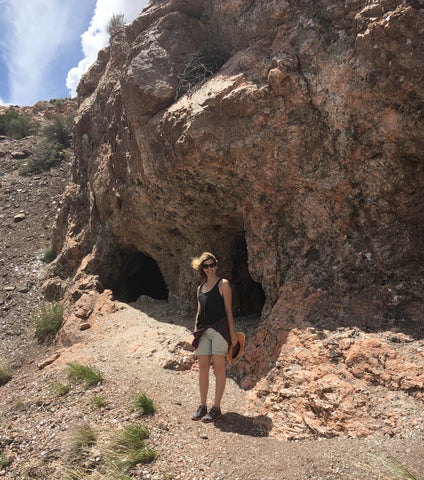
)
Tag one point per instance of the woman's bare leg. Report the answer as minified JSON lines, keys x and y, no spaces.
{"x":204,"y":367}
{"x":220,"y":377}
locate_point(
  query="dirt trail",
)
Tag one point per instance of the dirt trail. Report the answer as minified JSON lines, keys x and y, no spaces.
{"x":131,"y":349}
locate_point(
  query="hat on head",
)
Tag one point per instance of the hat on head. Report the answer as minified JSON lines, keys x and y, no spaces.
{"x":235,"y":352}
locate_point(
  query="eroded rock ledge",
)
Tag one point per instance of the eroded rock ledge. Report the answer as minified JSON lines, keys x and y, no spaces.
{"x":299,"y":162}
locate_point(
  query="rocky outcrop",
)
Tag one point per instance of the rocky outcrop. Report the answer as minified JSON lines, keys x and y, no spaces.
{"x":298,"y":162}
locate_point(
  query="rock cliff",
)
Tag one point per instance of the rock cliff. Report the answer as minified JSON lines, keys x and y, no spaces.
{"x":284,"y":136}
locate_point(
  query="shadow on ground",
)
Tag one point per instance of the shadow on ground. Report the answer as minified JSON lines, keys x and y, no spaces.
{"x":259,"y":426}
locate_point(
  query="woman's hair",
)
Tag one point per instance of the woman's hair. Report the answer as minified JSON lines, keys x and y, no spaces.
{"x":197,"y":263}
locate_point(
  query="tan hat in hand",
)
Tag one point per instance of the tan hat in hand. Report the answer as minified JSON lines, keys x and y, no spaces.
{"x":235,"y":352}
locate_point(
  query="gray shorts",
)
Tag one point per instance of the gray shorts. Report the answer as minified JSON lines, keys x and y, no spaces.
{"x":212,"y":343}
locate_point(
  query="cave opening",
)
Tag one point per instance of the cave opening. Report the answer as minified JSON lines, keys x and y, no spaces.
{"x":139,"y":275}
{"x":248,"y":295}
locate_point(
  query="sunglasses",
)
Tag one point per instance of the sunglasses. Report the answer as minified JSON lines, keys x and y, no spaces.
{"x":208,"y":265}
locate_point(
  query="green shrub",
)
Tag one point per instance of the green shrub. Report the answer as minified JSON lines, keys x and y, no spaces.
{"x":48,"y":319}
{"x":97,"y":402}
{"x":141,"y":401}
{"x":60,"y":389}
{"x":48,"y":255}
{"x":21,"y":126}
{"x":117,"y":20}
{"x":5,"y":119}
{"x":84,"y":373}
{"x":45,"y":156}
{"x":5,"y":372}
{"x":57,"y":103}
{"x":198,"y":68}
{"x":60,"y":131}
{"x":132,"y":437}
{"x":130,"y":445}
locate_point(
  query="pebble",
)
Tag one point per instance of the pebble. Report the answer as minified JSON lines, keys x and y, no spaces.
{"x":19,"y":217}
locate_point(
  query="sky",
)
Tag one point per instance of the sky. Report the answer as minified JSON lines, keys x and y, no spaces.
{"x":46,"y":45}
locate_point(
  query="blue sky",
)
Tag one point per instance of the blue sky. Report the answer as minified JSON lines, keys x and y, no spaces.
{"x":46,"y":45}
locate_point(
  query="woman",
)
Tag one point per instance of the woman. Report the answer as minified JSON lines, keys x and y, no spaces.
{"x":213,"y":332}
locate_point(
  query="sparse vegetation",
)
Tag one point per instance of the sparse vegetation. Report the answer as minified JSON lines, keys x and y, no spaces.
{"x":399,"y":469}
{"x":59,"y":389}
{"x":5,"y":119}
{"x":5,"y":372}
{"x":45,"y":156}
{"x":126,"y":449}
{"x":97,"y":401}
{"x":130,"y":445}
{"x":5,"y":460}
{"x":117,"y":20}
{"x":198,"y":68}
{"x":17,"y":125}
{"x":106,"y":471}
{"x":132,"y":437}
{"x":60,"y":131}
{"x":141,"y":401}
{"x":57,"y":103}
{"x":82,"y":437}
{"x":87,"y":374}
{"x":48,"y":255}
{"x":48,"y":319}
{"x":18,"y":405}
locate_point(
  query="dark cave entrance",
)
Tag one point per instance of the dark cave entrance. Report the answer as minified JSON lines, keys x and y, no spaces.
{"x":248,"y":295}
{"x":139,"y":274}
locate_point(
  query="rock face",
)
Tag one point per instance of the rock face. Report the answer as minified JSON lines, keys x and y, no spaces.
{"x":298,"y":162}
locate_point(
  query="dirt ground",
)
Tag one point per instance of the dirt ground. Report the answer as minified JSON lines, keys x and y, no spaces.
{"x":142,"y":347}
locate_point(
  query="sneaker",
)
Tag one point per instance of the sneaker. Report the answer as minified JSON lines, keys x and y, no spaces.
{"x":200,"y":412}
{"x":214,"y":414}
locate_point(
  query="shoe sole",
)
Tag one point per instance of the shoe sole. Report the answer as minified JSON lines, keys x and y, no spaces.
{"x":211,"y":421}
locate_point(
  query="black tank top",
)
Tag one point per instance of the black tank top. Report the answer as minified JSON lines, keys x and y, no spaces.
{"x":212,"y":306}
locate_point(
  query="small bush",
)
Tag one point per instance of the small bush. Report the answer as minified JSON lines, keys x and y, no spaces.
{"x":82,"y":437}
{"x":132,"y":437}
{"x":84,"y":373}
{"x":59,"y":131}
{"x":48,"y":319}
{"x":60,"y":389}
{"x":45,"y":156}
{"x":21,"y":126}
{"x":18,"y":405}
{"x":97,"y":402}
{"x":198,"y":68}
{"x":57,"y":103}
{"x":48,"y":255}
{"x":141,"y":401}
{"x":117,"y":20}
{"x":130,"y":444}
{"x":5,"y":119}
{"x":5,"y":373}
{"x":5,"y":460}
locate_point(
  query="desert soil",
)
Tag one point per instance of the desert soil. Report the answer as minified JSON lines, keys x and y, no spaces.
{"x":142,"y":347}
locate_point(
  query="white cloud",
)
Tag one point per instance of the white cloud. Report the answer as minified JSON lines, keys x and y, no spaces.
{"x":97,"y":37}
{"x":36,"y":32}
